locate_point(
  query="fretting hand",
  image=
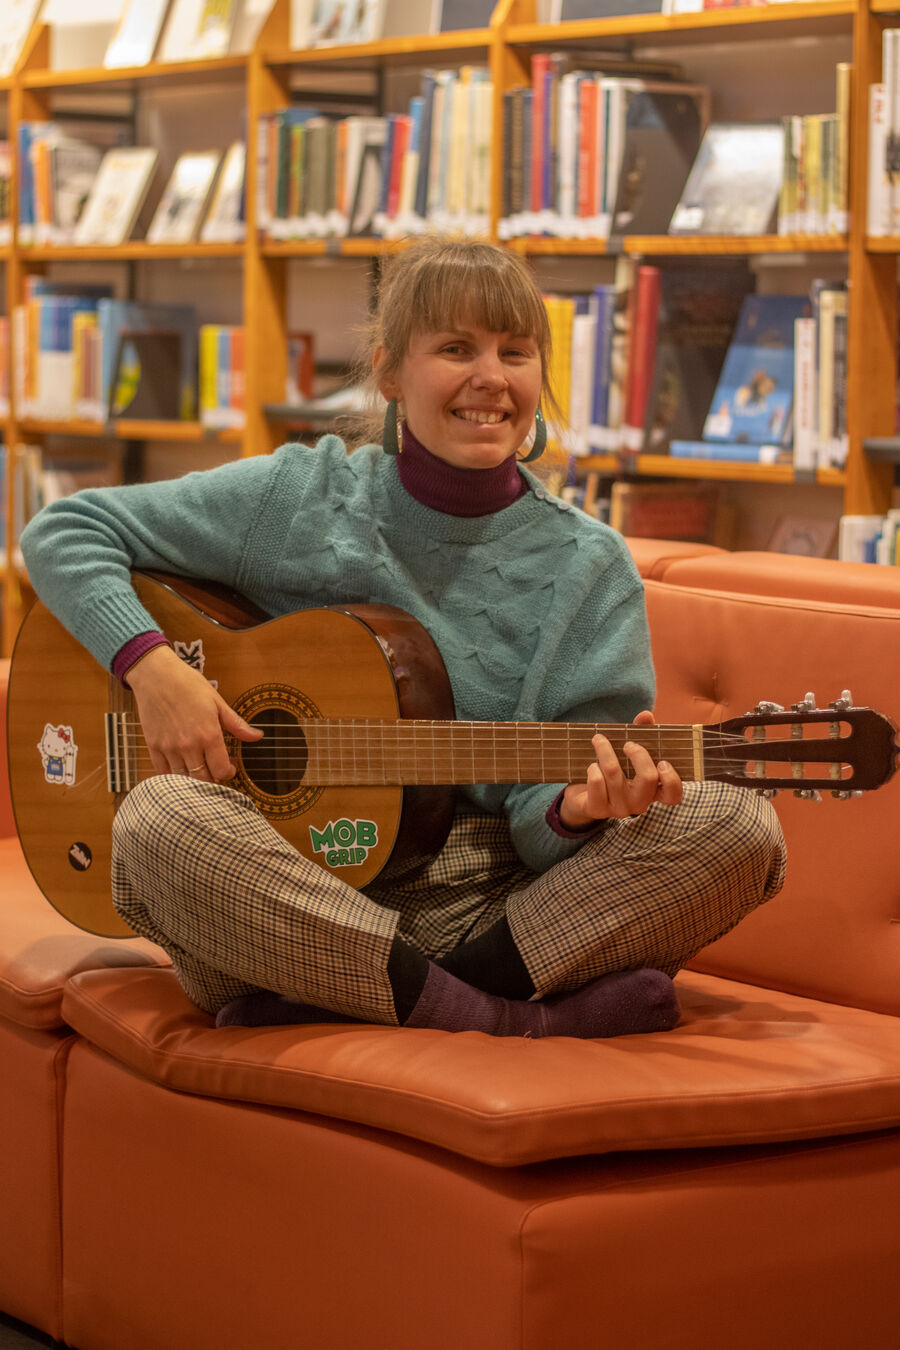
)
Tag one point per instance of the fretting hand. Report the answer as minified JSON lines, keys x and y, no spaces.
{"x":608,"y":794}
{"x":184,"y":718}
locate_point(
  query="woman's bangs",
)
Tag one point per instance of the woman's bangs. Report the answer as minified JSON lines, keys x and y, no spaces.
{"x":461,"y":297}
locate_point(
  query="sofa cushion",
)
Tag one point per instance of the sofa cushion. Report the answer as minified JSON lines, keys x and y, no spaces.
{"x":39,"y":949}
{"x":745,"y":1065}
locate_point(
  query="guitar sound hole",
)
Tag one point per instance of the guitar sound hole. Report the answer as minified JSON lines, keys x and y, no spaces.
{"x":276,"y":764}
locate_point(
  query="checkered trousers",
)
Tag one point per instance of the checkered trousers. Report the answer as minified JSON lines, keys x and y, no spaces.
{"x":199,"y":871}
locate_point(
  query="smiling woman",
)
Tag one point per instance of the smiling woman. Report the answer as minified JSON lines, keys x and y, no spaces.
{"x":557,"y":908}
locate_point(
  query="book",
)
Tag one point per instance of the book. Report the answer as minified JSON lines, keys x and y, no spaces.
{"x":178,"y":215}
{"x":339,"y":21}
{"x":734,"y":184}
{"x":754,"y":396}
{"x":221,"y":376}
{"x":805,"y":411}
{"x":662,"y":131}
{"x":116,"y":196}
{"x":858,"y":536}
{"x":698,"y":313}
{"x":566,"y":11}
{"x":16,"y":20}
{"x":665,"y":510}
{"x":641,"y":354}
{"x":301,"y":368}
{"x":120,"y":366}
{"x":404,"y":18}
{"x":878,"y":194}
{"x":225,"y":219}
{"x":212,"y":31}
{"x":137,"y":33}
{"x":736,"y":451}
{"x":460,"y":14}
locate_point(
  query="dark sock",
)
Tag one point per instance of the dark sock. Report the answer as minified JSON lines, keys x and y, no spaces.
{"x":263,"y":1009}
{"x":491,"y":962}
{"x":407,"y":972}
{"x":625,"y":1003}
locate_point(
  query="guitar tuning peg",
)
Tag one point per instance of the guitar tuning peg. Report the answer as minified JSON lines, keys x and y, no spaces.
{"x":766,"y":706}
{"x":808,"y":704}
{"x":768,"y":793}
{"x":845,"y":701}
{"x":808,"y":794}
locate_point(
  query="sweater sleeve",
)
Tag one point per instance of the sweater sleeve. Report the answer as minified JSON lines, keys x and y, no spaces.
{"x":80,"y":550}
{"x":610,"y":681}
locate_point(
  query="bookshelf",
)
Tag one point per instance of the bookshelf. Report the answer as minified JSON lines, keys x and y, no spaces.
{"x":264,"y":81}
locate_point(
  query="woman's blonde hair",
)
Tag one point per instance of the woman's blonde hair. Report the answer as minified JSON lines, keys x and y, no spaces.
{"x":437,"y":283}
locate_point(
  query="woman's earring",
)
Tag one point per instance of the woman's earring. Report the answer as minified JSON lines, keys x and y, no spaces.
{"x":539,"y":443}
{"x":390,"y":436}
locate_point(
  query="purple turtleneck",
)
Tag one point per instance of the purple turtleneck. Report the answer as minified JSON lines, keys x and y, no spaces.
{"x":457,"y":492}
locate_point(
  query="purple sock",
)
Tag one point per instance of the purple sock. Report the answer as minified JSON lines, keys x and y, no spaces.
{"x":273,"y":1010}
{"x":625,"y":1003}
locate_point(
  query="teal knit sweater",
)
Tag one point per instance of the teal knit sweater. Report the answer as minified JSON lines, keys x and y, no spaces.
{"x":537,"y":610}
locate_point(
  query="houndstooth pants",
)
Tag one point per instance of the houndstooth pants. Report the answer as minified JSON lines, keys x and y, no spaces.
{"x":198,"y":870}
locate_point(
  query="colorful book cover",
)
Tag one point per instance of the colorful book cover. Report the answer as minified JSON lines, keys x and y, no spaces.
{"x":755,"y":393}
{"x":735,"y":182}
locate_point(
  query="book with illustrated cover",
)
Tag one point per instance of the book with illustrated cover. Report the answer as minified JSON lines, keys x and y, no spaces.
{"x":212,"y":34}
{"x":73,"y":168}
{"x":225,"y":220}
{"x":137,"y":33}
{"x":688,"y":511}
{"x":120,"y":362}
{"x":735,"y":182}
{"x":16,"y":20}
{"x":177,"y":217}
{"x":116,"y":196}
{"x":755,"y":393}
{"x":339,"y":21}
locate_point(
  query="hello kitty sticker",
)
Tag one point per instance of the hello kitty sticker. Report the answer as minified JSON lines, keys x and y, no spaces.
{"x":58,"y":754}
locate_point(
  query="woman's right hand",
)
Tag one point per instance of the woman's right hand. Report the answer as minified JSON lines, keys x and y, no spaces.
{"x":183,"y":718}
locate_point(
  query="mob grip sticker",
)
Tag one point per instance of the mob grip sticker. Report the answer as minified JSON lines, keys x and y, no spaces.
{"x":344,"y":843}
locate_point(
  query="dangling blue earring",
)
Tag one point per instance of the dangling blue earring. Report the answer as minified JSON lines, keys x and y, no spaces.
{"x":539,"y":443}
{"x":390,"y":440}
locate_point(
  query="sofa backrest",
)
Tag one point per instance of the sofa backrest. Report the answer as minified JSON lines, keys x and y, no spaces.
{"x":834,"y":931}
{"x":775,"y":574}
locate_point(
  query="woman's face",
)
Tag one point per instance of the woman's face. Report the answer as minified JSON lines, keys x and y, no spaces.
{"x":469,"y":395}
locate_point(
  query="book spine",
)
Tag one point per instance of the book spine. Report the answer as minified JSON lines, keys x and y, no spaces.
{"x":540,"y":65}
{"x":584,"y":336}
{"x":733,"y":451}
{"x":428,"y":86}
{"x":604,"y":302}
{"x":892,"y":47}
{"x":619,"y":343}
{"x":805,"y":393}
{"x":838,"y":447}
{"x":878,"y":201}
{"x":209,"y":354}
{"x":828,"y":306}
{"x":238,"y":382}
{"x":843,"y":81}
{"x":642,"y":354}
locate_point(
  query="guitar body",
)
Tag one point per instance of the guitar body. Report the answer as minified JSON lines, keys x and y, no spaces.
{"x":71,"y":723}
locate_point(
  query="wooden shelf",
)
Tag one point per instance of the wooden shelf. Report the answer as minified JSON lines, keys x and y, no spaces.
{"x":129,"y":75}
{"x":387,"y":50}
{"x":666,"y":466}
{"x":883,"y":243}
{"x":686,"y":245}
{"x":125,"y":429}
{"x":885,"y":448}
{"x":135,"y":250}
{"x":775,"y":20}
{"x":331,"y":248}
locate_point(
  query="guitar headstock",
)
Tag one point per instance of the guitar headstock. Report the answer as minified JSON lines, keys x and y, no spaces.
{"x":840,"y":749}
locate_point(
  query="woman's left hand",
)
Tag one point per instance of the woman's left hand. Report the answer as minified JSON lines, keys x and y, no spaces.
{"x":608,"y":795}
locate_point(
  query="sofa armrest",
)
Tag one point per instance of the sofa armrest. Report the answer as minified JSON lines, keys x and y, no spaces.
{"x":7,"y":821}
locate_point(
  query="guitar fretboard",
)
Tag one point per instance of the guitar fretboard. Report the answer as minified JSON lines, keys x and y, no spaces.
{"x":366,"y":751}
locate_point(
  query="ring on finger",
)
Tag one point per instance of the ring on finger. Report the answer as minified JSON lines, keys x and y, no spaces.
{"x":196,"y":769}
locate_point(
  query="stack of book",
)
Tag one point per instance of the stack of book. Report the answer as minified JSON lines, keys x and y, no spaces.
{"x":222,"y":377}
{"x":72,"y":192}
{"x":587,"y":154}
{"x":873,"y":539}
{"x":685,"y":361}
{"x":38,"y":479}
{"x":815,"y":181}
{"x":76,"y":353}
{"x":388,"y":176}
{"x":884,"y":141}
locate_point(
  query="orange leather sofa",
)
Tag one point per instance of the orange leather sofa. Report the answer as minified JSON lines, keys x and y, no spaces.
{"x":733,"y":1182}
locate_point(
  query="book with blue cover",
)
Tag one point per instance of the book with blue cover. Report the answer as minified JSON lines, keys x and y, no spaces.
{"x":755,"y":393}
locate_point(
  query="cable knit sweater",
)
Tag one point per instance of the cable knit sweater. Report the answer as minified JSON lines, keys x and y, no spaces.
{"x":537,"y":610}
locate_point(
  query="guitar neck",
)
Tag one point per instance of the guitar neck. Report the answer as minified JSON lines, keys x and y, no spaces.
{"x":372,"y":751}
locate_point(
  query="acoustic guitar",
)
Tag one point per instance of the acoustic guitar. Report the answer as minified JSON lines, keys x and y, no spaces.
{"x":361,"y":748}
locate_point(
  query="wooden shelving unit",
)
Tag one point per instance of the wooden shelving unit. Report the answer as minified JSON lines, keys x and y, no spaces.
{"x":264,"y":80}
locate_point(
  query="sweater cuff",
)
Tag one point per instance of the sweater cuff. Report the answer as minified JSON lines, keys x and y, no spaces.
{"x":554,"y":820}
{"x":133,"y":650}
